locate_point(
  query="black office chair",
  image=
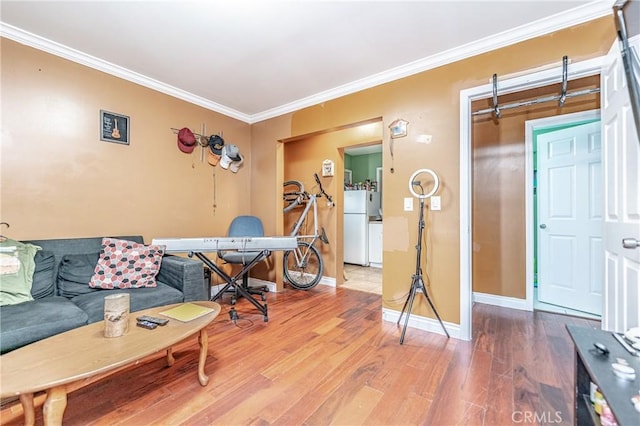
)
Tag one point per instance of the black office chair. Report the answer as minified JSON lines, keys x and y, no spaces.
{"x":245,"y":226}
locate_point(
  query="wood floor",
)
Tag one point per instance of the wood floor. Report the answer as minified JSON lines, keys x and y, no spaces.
{"x":326,"y":357}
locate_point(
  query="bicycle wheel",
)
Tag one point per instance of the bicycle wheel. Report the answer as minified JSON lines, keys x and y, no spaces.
{"x":303,"y":266}
{"x":293,"y":194}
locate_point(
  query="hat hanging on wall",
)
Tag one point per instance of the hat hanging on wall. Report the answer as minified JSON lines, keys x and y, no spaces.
{"x":230,"y":153}
{"x":186,"y":140}
{"x":235,"y":165}
{"x":216,"y":143}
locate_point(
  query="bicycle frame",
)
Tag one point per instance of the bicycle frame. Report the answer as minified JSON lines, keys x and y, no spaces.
{"x":303,"y":216}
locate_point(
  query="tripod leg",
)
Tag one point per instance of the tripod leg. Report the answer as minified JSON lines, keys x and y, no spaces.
{"x":412,"y":296}
{"x":405,"y":302}
{"x":433,"y":308}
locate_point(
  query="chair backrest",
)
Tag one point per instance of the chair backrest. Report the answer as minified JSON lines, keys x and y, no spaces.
{"x":246,"y":226}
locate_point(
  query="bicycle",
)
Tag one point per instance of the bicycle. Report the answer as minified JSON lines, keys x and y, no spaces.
{"x":303,"y":266}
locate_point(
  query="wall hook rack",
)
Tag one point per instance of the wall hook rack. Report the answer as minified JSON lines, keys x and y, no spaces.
{"x":200,"y":137}
{"x":563,"y":94}
{"x":497,"y":109}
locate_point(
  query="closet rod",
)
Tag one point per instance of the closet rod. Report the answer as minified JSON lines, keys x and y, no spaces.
{"x":538,"y":101}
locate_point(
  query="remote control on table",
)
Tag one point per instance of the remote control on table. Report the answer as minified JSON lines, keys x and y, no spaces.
{"x":147,"y":324}
{"x":155,"y":320}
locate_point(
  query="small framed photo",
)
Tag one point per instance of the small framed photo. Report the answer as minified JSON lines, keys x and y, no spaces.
{"x":114,"y":127}
{"x":398,"y":128}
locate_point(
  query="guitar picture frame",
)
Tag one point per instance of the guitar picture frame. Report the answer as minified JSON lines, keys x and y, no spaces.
{"x":114,"y":127}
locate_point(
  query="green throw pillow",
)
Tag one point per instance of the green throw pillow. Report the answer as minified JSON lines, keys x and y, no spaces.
{"x":16,"y":271}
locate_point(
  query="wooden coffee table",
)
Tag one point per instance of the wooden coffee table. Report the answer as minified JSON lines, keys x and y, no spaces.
{"x":68,"y":361}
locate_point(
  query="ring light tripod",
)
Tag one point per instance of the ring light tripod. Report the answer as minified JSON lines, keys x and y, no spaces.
{"x":417,"y":283}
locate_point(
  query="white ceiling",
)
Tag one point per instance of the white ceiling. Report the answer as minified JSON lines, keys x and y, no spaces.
{"x":254,"y":60}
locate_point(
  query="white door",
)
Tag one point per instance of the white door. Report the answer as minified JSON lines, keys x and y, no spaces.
{"x":621,"y":163}
{"x":570,"y":272}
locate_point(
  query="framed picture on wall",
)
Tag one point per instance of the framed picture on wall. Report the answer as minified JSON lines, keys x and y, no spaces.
{"x":114,"y":127}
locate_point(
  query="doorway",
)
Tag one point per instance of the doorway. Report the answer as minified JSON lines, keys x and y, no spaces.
{"x":564,"y":199}
{"x":302,"y":156}
{"x":362,"y":239}
{"x":467,"y":244}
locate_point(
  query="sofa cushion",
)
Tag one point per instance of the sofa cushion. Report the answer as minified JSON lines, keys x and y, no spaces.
{"x":43,"y":281}
{"x":29,"y":322}
{"x":16,"y":271}
{"x":126,"y":264}
{"x":140,"y":298}
{"x":75,"y":272}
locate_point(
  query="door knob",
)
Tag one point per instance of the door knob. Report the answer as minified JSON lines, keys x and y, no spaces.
{"x":630,"y":243}
{"x":543,"y":226}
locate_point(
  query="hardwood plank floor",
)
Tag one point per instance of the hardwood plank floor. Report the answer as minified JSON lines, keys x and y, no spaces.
{"x":326,"y":357}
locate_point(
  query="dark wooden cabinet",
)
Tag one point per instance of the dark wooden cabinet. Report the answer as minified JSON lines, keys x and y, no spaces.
{"x":593,"y":366}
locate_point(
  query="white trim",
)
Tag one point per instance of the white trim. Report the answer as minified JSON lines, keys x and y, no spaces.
{"x":54,"y":48}
{"x":530,"y":127}
{"x":503,"y":301}
{"x":516,"y":84}
{"x":465,"y":215}
{"x":422,"y":323}
{"x":253,"y":282}
{"x":328,"y":281}
{"x":257,"y":282}
{"x":579,"y":15}
{"x":576,"y":16}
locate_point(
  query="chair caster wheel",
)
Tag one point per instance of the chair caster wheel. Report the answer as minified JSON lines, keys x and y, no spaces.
{"x":233,"y":301}
{"x":266,"y":318}
{"x":264,"y":298}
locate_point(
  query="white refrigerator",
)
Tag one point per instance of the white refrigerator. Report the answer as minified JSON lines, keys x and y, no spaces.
{"x":358,"y":207}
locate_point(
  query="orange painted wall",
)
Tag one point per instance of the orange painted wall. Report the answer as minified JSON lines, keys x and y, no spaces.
{"x":430,"y":102}
{"x":60,"y":180}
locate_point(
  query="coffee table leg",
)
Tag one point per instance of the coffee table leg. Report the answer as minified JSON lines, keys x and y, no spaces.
{"x":203,"y":340}
{"x":54,"y":406}
{"x":27,"y":407}
{"x":170,"y":358}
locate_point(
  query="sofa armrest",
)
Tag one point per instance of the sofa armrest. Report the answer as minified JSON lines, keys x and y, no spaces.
{"x":186,"y":275}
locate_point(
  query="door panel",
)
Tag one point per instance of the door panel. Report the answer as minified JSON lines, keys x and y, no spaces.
{"x":621,"y":184}
{"x":569,"y":211}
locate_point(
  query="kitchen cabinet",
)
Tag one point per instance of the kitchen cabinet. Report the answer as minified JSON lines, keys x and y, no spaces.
{"x":375,"y":244}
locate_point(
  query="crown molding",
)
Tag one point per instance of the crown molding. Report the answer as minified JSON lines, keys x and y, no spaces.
{"x":49,"y":46}
{"x":579,"y":15}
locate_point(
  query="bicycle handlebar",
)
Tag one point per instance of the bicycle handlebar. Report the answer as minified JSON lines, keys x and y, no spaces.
{"x":322,"y":192}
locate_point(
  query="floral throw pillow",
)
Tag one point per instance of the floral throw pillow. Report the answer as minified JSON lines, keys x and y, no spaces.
{"x":126,"y":264}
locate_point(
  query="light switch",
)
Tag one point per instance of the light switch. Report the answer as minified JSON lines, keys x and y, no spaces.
{"x":435,"y":202}
{"x":408,"y":204}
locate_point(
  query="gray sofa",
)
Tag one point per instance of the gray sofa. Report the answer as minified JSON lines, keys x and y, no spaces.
{"x":63,"y":300}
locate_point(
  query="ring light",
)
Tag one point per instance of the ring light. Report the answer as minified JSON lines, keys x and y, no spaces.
{"x":436,"y":183}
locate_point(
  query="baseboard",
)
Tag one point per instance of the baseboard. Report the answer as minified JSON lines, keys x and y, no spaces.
{"x":422,"y":323}
{"x":503,"y":301}
{"x":331,"y":282}
{"x":253,"y":282}
{"x":257,"y":282}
